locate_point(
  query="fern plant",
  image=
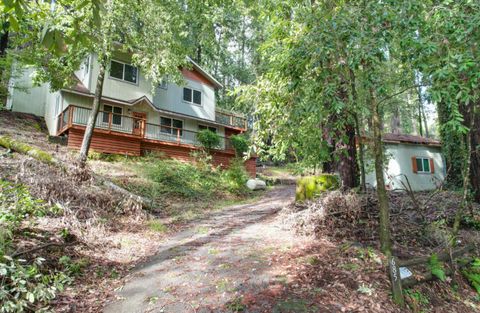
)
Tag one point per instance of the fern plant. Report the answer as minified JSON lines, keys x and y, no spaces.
{"x":436,"y":267}
{"x":472,"y":274}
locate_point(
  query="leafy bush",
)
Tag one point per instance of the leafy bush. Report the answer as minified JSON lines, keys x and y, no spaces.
{"x":28,"y":287}
{"x":208,"y":139}
{"x":436,"y":267}
{"x":182,"y":179}
{"x":311,"y":186}
{"x":240,"y":144}
{"x":25,"y":287}
{"x":472,"y":273}
{"x":235,"y":177}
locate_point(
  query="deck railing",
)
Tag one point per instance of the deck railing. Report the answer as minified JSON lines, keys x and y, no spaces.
{"x":75,"y":115}
{"x":230,"y":119}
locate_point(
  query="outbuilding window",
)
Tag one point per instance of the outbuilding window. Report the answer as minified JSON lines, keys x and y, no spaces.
{"x":423,"y":165}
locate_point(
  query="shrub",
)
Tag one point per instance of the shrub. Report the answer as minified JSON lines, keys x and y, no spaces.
{"x":240,"y":144}
{"x":208,"y":139}
{"x":25,"y":287}
{"x":235,"y":177}
{"x":311,"y":186}
{"x":182,"y":179}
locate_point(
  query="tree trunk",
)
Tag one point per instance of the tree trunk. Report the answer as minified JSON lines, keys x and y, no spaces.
{"x":87,"y":138}
{"x":347,"y":165}
{"x":361,"y":155}
{"x":361,"y":158}
{"x":383,"y":206}
{"x":420,"y":127}
{"x":466,"y":173}
{"x":475,"y":166}
{"x":4,"y":43}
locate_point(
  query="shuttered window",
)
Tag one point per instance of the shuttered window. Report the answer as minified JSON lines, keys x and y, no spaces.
{"x":422,"y":165}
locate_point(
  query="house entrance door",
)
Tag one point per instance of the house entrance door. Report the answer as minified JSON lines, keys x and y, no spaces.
{"x":139,"y":119}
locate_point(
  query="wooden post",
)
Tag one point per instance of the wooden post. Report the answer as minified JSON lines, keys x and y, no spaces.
{"x":178,"y":136}
{"x":231,"y":120}
{"x":70,"y":116}
{"x":396,"y":281}
{"x":61,"y":122}
{"x":110,"y":117}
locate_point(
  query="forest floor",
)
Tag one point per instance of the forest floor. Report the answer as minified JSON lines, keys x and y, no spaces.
{"x":276,"y":256}
{"x":266,"y":255}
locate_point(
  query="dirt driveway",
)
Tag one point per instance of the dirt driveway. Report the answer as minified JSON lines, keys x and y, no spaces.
{"x":213,"y":265}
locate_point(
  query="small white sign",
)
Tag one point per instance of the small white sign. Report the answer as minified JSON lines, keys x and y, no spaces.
{"x":404,"y":272}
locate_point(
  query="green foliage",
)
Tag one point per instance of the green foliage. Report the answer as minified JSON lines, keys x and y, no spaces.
{"x":436,"y":267}
{"x":235,"y":177}
{"x":208,"y":139}
{"x":21,"y":147}
{"x":72,"y":268}
{"x":182,"y":179}
{"x":240,"y":144}
{"x":157,"y":226}
{"x":236,"y":305}
{"x":417,"y":297}
{"x":311,"y":186}
{"x":25,"y":287}
{"x":28,"y":287}
{"x":472,"y":273}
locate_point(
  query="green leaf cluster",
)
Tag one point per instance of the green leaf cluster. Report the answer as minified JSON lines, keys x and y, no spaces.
{"x":436,"y":267}
{"x":208,"y":139}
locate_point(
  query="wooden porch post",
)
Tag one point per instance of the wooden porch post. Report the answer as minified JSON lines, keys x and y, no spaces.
{"x":110,"y":117}
{"x":178,"y":136}
{"x":70,"y":116}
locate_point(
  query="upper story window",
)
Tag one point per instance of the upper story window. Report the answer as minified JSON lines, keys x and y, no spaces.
{"x":192,"y":96}
{"x":86,"y":65}
{"x":123,"y":71}
{"x":116,"y":116}
{"x":163,"y":84}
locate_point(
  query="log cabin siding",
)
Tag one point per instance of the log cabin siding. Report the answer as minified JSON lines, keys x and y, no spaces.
{"x":105,"y":142}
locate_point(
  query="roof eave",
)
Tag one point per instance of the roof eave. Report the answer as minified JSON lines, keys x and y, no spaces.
{"x":212,"y":79}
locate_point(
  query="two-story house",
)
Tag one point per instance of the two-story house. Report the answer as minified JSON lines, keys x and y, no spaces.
{"x":133,"y":120}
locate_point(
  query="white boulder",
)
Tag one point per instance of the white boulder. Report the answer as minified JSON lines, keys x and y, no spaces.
{"x":256,"y":184}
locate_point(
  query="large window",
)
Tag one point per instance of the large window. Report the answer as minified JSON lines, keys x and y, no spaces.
{"x":203,"y":127}
{"x":423,"y":165}
{"x":123,"y":71}
{"x":192,"y":96}
{"x":170,"y":126}
{"x":116,"y":116}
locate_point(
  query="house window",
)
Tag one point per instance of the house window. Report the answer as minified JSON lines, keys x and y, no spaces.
{"x":170,"y":126}
{"x":123,"y":71}
{"x":210,"y":128}
{"x":116,"y":116}
{"x":192,"y":96}
{"x":163,"y":84}
{"x":87,"y":66}
{"x":422,"y":165}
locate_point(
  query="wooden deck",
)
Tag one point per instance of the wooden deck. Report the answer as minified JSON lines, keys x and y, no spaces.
{"x":118,"y":134}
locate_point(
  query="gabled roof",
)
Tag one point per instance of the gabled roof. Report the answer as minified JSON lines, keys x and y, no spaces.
{"x":204,"y":73}
{"x":411,"y":139}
